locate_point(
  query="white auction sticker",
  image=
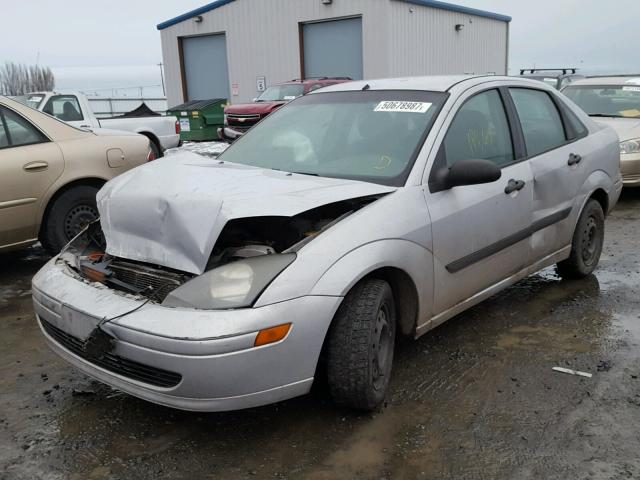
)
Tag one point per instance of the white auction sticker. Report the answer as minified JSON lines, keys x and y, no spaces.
{"x":401,"y":106}
{"x":631,"y":89}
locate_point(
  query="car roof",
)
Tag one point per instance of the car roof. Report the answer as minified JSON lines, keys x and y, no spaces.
{"x":436,"y":83}
{"x":612,"y":80}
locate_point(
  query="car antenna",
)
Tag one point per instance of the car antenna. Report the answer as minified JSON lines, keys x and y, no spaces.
{"x":366,"y":87}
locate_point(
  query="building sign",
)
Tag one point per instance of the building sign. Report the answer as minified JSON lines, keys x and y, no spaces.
{"x":261,"y":83}
{"x":234,"y":89}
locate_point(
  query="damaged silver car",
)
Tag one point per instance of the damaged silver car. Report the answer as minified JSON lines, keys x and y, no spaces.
{"x":353,"y":215}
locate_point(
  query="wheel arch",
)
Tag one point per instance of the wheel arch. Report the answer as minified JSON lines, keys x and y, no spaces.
{"x":152,"y":138}
{"x":601,"y":197}
{"x":405,"y":294}
{"x":405,"y":265}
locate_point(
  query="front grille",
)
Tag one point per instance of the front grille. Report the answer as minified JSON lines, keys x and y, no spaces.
{"x":114,"y":363}
{"x":242,"y":121}
{"x":152,"y":282}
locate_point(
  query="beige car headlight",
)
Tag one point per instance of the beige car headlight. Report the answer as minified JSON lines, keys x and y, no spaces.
{"x":233,"y":285}
{"x":630,"y":146}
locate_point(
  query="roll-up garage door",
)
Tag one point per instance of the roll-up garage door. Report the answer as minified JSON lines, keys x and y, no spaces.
{"x":205,"y":67}
{"x":333,"y":49}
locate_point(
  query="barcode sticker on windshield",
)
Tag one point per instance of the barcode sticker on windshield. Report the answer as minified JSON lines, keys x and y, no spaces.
{"x":399,"y":106}
{"x":631,"y":89}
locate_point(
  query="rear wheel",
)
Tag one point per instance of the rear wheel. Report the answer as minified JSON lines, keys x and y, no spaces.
{"x":361,"y":345}
{"x":586,"y":245}
{"x":68,"y":215}
{"x":157,"y":151}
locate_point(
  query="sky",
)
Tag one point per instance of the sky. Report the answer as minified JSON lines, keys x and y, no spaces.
{"x":105,"y":46}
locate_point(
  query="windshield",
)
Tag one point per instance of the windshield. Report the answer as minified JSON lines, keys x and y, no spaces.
{"x":363,"y":135}
{"x":30,"y":100}
{"x":281,"y":92}
{"x":607,"y":100}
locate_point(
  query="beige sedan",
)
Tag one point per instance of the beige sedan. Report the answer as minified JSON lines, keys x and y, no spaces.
{"x":50,"y":173}
{"x":615,"y":102}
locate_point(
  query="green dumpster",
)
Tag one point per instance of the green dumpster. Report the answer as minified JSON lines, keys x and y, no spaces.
{"x":200,"y":119}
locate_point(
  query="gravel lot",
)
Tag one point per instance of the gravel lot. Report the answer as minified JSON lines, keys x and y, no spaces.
{"x":474,"y":399}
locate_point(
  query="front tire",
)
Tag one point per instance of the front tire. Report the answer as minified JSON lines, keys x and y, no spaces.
{"x":586,"y":245}
{"x":68,"y":215}
{"x":361,"y":345}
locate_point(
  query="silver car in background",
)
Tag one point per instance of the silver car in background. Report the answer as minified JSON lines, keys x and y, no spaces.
{"x":615,"y":102}
{"x":351,"y":216}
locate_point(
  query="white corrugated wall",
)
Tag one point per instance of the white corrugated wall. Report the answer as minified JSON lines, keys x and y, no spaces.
{"x":263,"y":39}
{"x":424,"y":41}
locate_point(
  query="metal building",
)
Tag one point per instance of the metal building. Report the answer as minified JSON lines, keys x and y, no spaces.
{"x":232,"y":48}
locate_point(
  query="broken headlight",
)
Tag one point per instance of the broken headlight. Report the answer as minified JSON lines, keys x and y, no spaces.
{"x":233,"y":285}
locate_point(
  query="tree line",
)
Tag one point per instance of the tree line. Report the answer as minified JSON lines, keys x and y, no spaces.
{"x":19,"y":79}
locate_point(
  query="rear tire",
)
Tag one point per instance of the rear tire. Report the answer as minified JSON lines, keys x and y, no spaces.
{"x":361,"y":345}
{"x":586,"y":245}
{"x":69,"y":213}
{"x":157,"y":151}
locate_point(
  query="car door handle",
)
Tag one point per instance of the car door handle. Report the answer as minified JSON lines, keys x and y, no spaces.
{"x":574,"y":159}
{"x":35,"y":166}
{"x":513,"y":186}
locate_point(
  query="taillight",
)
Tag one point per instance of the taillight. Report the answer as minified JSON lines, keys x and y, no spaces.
{"x":177,"y":127}
{"x":151,"y":155}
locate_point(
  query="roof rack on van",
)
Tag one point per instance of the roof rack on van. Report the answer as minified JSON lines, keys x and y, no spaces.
{"x":534,"y":70}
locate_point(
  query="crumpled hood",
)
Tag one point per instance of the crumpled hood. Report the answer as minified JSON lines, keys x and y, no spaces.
{"x":626,"y":128}
{"x":171,"y":211}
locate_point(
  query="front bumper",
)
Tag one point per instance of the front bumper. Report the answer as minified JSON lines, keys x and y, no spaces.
{"x":209,"y":353}
{"x":630,"y":169}
{"x":229,"y":134}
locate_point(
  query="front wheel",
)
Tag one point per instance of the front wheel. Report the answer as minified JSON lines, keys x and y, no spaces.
{"x":361,"y":345}
{"x":586,"y":245}
{"x":69,"y":214}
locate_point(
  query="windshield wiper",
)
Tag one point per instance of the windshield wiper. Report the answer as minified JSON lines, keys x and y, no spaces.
{"x":606,"y":116}
{"x":299,"y":173}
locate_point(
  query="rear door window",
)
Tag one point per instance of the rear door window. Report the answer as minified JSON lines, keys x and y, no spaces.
{"x":64,"y":107}
{"x":18,"y":131}
{"x":540,"y":119}
{"x":480,"y":131}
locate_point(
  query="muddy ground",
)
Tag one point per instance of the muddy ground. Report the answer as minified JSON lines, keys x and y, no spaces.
{"x":474,"y":399}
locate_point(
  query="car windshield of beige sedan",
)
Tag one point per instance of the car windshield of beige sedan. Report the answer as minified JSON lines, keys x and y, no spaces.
{"x":372,"y":136}
{"x":607,"y":101}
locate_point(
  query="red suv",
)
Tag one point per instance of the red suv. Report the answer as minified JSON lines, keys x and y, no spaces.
{"x":240,"y":118}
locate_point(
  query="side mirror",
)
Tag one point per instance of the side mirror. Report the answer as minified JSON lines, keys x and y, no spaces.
{"x":469,"y":172}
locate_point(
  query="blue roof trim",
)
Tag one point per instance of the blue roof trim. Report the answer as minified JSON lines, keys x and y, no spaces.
{"x":426,"y":3}
{"x":193,"y":13}
{"x":460,"y":9}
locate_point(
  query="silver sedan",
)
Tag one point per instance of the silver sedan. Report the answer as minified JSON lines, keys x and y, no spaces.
{"x":353,"y":215}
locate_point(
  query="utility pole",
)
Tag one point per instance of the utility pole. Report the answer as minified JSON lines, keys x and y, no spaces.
{"x":162,"y":78}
